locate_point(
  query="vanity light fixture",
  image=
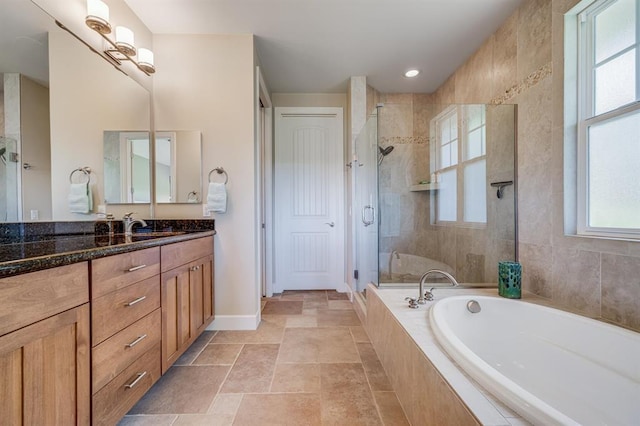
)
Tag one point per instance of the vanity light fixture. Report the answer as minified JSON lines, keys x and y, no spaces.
{"x":411,"y":73}
{"x":145,"y":60}
{"x":124,"y":41}
{"x":98,"y":16}
{"x":123,"y":48}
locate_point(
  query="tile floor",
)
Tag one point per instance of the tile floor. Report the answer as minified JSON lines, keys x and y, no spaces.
{"x":310,"y":362}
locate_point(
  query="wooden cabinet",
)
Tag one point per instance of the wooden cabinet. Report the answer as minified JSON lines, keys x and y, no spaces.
{"x":187,"y":295}
{"x":44,"y":347}
{"x":126,"y":316}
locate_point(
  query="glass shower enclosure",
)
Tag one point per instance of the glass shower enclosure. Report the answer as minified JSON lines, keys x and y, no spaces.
{"x":434,"y":189}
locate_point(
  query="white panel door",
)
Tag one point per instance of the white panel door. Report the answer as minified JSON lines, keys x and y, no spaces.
{"x":309,"y":199}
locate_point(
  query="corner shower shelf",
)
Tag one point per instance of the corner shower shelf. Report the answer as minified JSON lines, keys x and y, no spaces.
{"x":424,"y":187}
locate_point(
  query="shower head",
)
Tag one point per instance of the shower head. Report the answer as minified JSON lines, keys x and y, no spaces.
{"x":385,"y":151}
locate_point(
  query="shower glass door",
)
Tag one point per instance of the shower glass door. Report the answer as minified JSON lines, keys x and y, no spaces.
{"x":366,"y":204}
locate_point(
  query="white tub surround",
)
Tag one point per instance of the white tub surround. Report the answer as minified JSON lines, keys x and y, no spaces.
{"x":432,"y":389}
{"x":553,"y":367}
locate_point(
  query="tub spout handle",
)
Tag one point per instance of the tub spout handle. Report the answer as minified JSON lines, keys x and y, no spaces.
{"x":413,"y":302}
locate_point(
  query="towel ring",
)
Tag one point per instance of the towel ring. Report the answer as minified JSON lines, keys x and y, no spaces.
{"x":220,"y":171}
{"x":85,"y":170}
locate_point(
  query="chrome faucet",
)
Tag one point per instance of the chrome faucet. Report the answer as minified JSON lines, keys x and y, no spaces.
{"x":393,"y":253}
{"x":128,"y":221}
{"x":428,"y":295}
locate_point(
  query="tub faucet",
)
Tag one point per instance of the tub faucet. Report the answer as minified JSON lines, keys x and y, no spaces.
{"x":428,"y":295}
{"x":393,"y":253}
{"x":128,"y":221}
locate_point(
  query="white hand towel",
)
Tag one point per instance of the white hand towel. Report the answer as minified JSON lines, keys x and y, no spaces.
{"x":80,"y":198}
{"x":217,"y":197}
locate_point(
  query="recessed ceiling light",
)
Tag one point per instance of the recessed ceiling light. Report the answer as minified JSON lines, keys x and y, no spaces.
{"x":411,"y":73}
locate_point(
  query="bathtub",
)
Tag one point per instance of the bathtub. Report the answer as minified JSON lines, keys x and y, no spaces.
{"x":407,"y":268}
{"x":550,"y":366}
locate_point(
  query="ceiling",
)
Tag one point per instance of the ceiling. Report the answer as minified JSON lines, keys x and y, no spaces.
{"x":313,"y":46}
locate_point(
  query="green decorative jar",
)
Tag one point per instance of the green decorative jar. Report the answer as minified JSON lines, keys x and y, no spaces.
{"x":510,"y":280}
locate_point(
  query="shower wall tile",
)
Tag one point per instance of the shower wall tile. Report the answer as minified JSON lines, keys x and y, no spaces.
{"x":446,"y":94}
{"x":472,"y":77}
{"x":505,"y":54}
{"x":621,"y":290}
{"x":576,"y":280}
{"x":396,"y":98}
{"x":396,"y":121}
{"x":534,"y":36}
{"x":536,"y":269}
{"x":563,"y":6}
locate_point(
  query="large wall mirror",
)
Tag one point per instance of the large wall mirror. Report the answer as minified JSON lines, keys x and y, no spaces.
{"x":25,"y":175}
{"x":178,"y":167}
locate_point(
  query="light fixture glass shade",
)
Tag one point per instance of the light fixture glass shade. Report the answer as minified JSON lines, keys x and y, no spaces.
{"x":98,"y":16}
{"x":124,"y":41}
{"x":411,"y":73}
{"x":145,"y":60}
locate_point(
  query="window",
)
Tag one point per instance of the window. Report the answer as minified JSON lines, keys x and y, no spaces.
{"x":460,"y":153}
{"x":608,"y":119}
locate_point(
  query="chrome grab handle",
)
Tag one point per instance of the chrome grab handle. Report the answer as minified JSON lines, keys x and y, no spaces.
{"x":137,"y":379}
{"x":364,"y":215}
{"x":138,"y":300}
{"x":135,"y":342}
{"x":135,"y":268}
{"x":331,"y":224}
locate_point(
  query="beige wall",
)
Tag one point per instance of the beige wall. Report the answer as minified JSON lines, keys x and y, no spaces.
{"x":34,"y":134}
{"x":522,"y":63}
{"x":206,"y":83}
{"x":83,"y":105}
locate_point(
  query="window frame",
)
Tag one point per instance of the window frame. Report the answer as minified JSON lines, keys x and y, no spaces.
{"x":461,"y":112}
{"x":586,"y":116}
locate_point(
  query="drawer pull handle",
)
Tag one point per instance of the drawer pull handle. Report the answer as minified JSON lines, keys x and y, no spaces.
{"x":195,"y":268}
{"x":136,"y":380}
{"x":138,"y":300}
{"x":135,"y":268}
{"x":135,"y":342}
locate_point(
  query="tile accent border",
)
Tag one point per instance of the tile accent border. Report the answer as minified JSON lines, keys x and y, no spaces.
{"x":530,"y":81}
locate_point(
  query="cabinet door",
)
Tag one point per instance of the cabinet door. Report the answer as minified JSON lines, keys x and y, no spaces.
{"x":201,"y":283}
{"x":176,"y":314}
{"x":45,"y":371}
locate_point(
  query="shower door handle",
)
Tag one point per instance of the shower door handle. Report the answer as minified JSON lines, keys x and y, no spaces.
{"x":364,"y":215}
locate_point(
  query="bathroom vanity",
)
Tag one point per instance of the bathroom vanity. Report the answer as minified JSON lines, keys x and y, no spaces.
{"x":89,"y":324}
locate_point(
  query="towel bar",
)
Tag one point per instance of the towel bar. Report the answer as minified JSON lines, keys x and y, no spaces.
{"x":220,"y":171}
{"x":85,"y":170}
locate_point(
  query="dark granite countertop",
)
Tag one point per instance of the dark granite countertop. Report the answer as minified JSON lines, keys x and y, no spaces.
{"x":22,"y":254}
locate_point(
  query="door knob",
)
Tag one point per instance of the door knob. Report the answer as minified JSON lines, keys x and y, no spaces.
{"x":331,"y":224}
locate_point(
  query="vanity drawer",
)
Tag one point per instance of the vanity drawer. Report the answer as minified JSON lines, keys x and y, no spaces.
{"x":118,"y":271}
{"x":174,"y":255}
{"x":117,"y":352}
{"x":117,"y":310}
{"x":114,"y":400}
{"x":30,"y":297}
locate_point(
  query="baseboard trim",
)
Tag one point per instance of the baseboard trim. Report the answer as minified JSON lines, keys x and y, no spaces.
{"x":235,"y":322}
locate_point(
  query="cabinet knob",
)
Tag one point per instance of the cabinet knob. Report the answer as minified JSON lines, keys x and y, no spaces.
{"x":194,"y":268}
